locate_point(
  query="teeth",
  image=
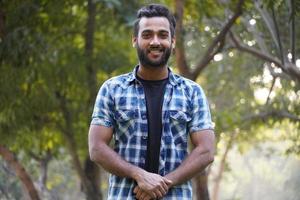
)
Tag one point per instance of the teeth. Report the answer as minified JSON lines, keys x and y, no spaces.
{"x":155,"y":50}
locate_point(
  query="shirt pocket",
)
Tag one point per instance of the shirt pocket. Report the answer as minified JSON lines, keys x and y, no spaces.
{"x":126,"y":122}
{"x":178,"y":124}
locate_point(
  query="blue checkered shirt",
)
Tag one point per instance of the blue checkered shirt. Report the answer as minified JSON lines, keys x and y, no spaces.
{"x":121,"y":104}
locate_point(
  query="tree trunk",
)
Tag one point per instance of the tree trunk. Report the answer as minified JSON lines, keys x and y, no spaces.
{"x":43,"y":164}
{"x":201,"y":186}
{"x":91,"y":170}
{"x":185,"y":70}
{"x":216,"y":188}
{"x":181,"y":62}
{"x":10,"y":158}
{"x":91,"y":192}
{"x":67,"y":132}
{"x":2,"y":24}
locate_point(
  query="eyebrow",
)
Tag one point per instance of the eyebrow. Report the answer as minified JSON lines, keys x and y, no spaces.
{"x":160,"y":31}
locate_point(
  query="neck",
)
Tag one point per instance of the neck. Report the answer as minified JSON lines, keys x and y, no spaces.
{"x":152,"y":73}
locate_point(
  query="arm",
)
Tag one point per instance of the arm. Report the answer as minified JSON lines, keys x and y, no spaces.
{"x":201,"y":156}
{"x":104,"y":155}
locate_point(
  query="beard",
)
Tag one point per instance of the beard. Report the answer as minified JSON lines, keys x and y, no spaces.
{"x":147,"y":62}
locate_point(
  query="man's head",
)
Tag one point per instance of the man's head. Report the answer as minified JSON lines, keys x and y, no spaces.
{"x":155,"y":10}
{"x":154,"y":37}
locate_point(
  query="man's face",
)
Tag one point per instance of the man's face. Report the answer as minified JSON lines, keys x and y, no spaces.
{"x":154,"y":43}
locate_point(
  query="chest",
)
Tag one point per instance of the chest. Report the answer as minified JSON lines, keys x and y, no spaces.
{"x":133,"y":98}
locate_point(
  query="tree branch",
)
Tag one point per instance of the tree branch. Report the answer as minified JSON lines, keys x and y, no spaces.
{"x":282,"y":114}
{"x":211,"y":52}
{"x":20,"y":171}
{"x":257,"y":36}
{"x":289,"y":68}
{"x":278,"y":36}
{"x":267,"y":19}
{"x":257,"y":53}
{"x":271,"y":89}
{"x":277,"y":74}
{"x":292,"y":30}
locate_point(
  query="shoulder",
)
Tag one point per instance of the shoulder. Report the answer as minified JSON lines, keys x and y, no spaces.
{"x":188,"y":85}
{"x":117,"y":81}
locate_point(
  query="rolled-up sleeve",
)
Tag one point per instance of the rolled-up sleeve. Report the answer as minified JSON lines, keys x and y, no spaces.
{"x":103,"y":108}
{"x":201,"y":117}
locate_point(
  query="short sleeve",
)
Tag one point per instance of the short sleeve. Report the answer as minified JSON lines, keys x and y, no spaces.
{"x":201,"y":117}
{"x":103,"y":108}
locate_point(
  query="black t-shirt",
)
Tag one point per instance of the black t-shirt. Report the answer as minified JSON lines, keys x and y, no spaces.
{"x":154,"y":92}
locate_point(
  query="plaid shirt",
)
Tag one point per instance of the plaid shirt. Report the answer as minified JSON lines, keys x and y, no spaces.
{"x":121,"y":104}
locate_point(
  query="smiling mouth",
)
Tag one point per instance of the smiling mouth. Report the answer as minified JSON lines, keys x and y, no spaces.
{"x":155,"y":50}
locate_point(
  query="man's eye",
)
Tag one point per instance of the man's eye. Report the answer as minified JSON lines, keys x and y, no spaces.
{"x":164,"y":35}
{"x":146,"y":35}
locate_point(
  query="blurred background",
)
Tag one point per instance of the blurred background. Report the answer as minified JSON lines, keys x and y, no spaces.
{"x":55,"y":54}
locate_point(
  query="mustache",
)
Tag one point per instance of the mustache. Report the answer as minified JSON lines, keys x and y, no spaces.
{"x":160,"y":48}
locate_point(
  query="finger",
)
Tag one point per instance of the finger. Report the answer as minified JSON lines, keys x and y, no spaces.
{"x":143,"y":196}
{"x":159,"y":194}
{"x":164,"y":187}
{"x":148,"y":198}
{"x":163,"y":192}
{"x":138,"y":194}
{"x":136,"y":189}
{"x":153,"y":195}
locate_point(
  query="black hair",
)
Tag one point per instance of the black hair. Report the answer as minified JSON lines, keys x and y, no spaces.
{"x":155,"y":10}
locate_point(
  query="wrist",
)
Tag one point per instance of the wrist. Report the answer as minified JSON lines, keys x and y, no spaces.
{"x":137,"y":173}
{"x":172,"y":179}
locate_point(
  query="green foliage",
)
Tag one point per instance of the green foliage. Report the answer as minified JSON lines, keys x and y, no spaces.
{"x":272,"y":4}
{"x":42,"y":59}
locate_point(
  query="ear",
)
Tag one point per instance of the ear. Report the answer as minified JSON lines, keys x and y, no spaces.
{"x":134,"y":41}
{"x":173,"y":42}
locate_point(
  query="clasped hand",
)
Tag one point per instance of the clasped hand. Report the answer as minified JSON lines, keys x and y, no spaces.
{"x":151,"y":186}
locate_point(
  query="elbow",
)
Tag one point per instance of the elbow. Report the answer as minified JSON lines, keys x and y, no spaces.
{"x":93,"y":153}
{"x":211,"y":157}
{"x":92,"y":156}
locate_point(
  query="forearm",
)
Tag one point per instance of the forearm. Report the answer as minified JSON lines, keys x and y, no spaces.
{"x":195,"y":162}
{"x":102,"y":154}
{"x":154,"y":184}
{"x":106,"y":157}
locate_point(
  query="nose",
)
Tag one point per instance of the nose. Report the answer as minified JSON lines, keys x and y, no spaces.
{"x":155,"y":40}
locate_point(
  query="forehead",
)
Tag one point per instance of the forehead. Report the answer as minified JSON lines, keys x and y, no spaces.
{"x":154,"y":24}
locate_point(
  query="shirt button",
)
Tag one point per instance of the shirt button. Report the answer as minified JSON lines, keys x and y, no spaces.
{"x":143,"y":160}
{"x":144,"y":116}
{"x":144,"y":137}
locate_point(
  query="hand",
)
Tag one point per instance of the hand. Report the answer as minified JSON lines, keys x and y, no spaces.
{"x":153,"y":184}
{"x":142,"y":195}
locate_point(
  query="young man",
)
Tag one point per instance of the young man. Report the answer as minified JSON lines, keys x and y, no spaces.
{"x":150,"y":113}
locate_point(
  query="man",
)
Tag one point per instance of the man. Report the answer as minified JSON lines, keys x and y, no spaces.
{"x":150,"y":113}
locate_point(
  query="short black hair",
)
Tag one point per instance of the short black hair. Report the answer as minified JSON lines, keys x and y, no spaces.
{"x":154,"y":10}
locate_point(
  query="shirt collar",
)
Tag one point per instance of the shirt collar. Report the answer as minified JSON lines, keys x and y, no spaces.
{"x":133,"y":77}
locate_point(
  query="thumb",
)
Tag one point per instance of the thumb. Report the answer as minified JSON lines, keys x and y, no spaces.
{"x":168,"y":181}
